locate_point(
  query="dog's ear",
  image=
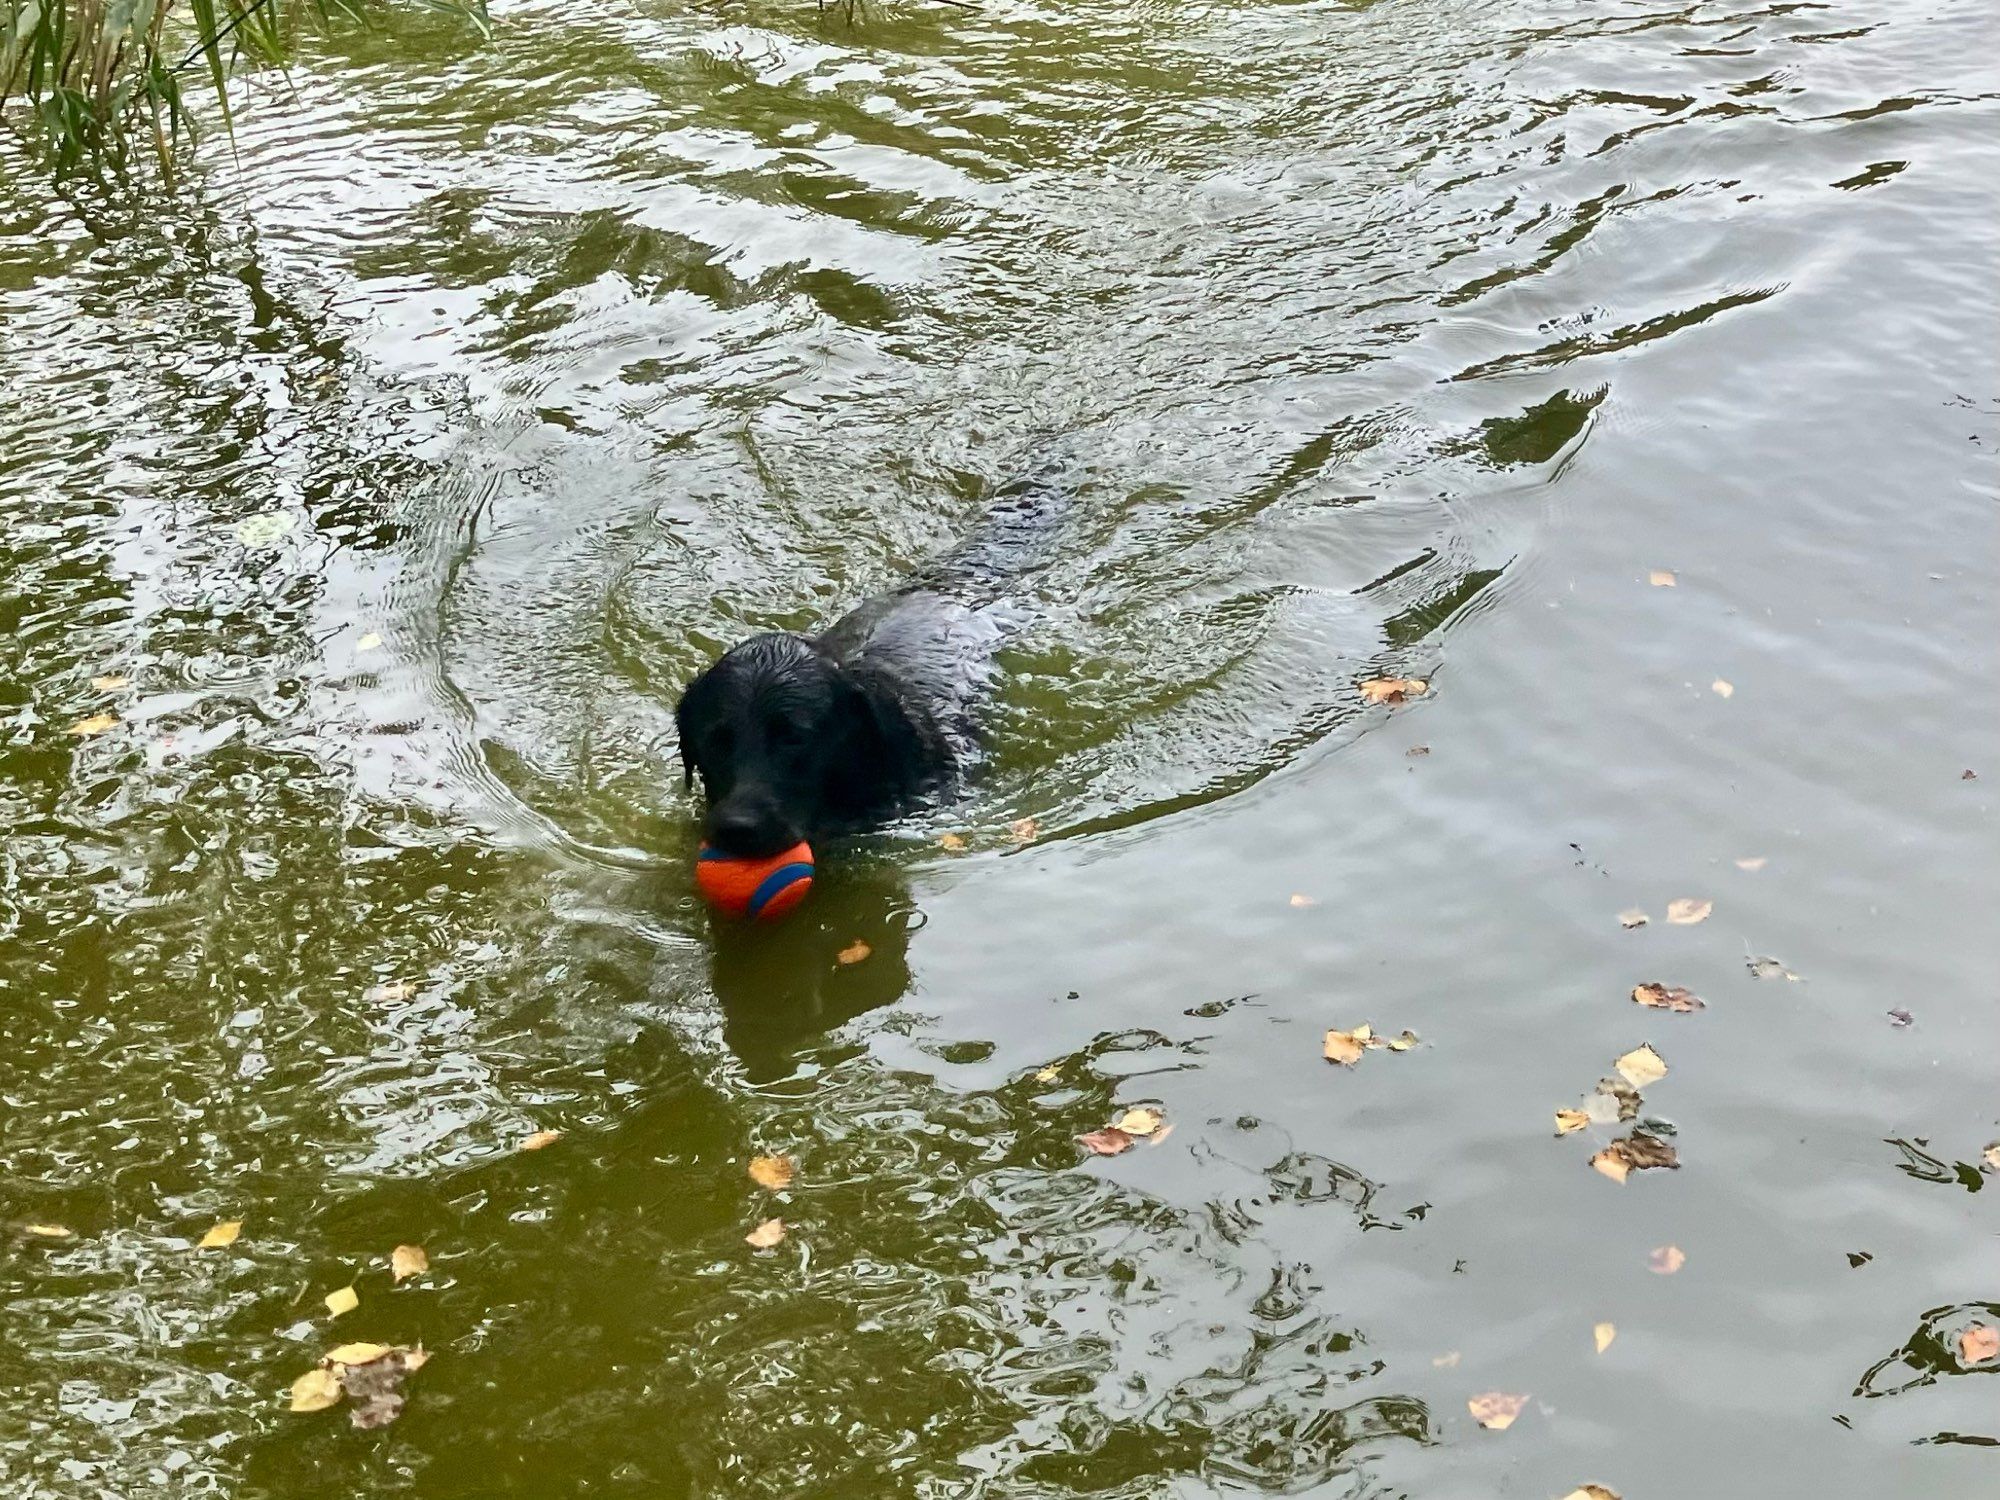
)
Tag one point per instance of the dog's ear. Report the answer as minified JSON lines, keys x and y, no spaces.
{"x":882,"y":759}
{"x":684,"y":728}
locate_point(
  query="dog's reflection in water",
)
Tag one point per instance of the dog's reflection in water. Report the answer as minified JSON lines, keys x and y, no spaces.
{"x":845,"y":950}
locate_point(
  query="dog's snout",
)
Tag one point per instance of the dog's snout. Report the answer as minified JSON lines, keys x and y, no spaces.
{"x":749,"y":827}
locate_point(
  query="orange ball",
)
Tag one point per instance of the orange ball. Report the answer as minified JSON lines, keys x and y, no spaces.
{"x":761,"y":888}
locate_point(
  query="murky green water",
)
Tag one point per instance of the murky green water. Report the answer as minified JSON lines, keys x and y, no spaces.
{"x":396,"y":473}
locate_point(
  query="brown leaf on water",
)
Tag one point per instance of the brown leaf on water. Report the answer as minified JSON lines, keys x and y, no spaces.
{"x":1641,"y":1066}
{"x":1978,"y":1344}
{"x":222,"y":1234}
{"x":765,"y":1235}
{"x":1393,"y":689}
{"x":1568,"y":1120}
{"x":1602,"y":1334}
{"x":772,"y":1172}
{"x":1591,"y":1492}
{"x":342,"y":1300}
{"x":1023,"y":830}
{"x":1496,"y":1410}
{"x":1660,"y":578}
{"x":1613,"y":1100}
{"x":1632,"y":917}
{"x":110,"y":682}
{"x":316,"y":1390}
{"x":1346,"y":1047}
{"x":952,"y":843}
{"x":1722,"y":689}
{"x":1143,"y":1121}
{"x":540,"y":1139}
{"x":374,"y":1387}
{"x":1416,"y":751}
{"x":93,"y":724}
{"x":1666,"y":1260}
{"x":1754,"y":863}
{"x":1685,"y":911}
{"x":1110,"y":1141}
{"x":853,"y":953}
{"x":1667,"y":997}
{"x":408,"y":1260}
{"x":1635,"y":1153}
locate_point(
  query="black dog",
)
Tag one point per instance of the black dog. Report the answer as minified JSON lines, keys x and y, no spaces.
{"x":808,"y":737}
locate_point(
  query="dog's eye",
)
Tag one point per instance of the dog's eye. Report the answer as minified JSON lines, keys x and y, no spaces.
{"x":785,"y":732}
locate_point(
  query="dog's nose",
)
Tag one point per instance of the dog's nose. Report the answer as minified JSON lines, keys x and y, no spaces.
{"x":748,"y":830}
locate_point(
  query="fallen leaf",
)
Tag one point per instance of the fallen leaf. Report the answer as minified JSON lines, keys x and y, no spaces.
{"x":368,"y":642}
{"x":1978,"y":1344}
{"x":1110,"y":1141}
{"x":1660,"y":578}
{"x":1346,"y":1047}
{"x":1768,"y":968}
{"x":408,"y":1260}
{"x":1446,"y":1361}
{"x":415,"y":1359}
{"x":397,"y":989}
{"x":1635,"y":1153}
{"x":374,"y":1387}
{"x":1613,"y":1100}
{"x":765,"y":1235}
{"x":853,"y":953}
{"x":1722,"y":689}
{"x":1568,"y":1120}
{"x":1416,"y":750}
{"x":540,"y":1139}
{"x":1049,"y":1074}
{"x":1393,"y":689}
{"x":110,"y":682}
{"x":1591,"y":1492}
{"x":1666,"y":1260}
{"x":1302,"y":901}
{"x":344,"y":1300}
{"x":358,"y":1354}
{"x":1142,"y":1121}
{"x":1402,"y":1043}
{"x":47,"y":1231}
{"x":1667,"y":997}
{"x":1023,"y":830}
{"x":773,"y":1172}
{"x":93,"y":724}
{"x":261,"y":531}
{"x":1633,"y":917}
{"x":316,"y":1390}
{"x":1991,"y":1156}
{"x":1641,"y":1066}
{"x":1603,"y":1334}
{"x":1968,"y":775}
{"x":1755,"y":862}
{"x":1900,"y":1017}
{"x":952,"y":843}
{"x":1496,"y":1410}
{"x":223,"y":1234}
{"x":1685,"y":911}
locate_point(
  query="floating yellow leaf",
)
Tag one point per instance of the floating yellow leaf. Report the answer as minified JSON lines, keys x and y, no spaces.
{"x":1979,"y":1344}
{"x":1722,"y":689}
{"x":1140,"y":1122}
{"x":110,"y":682}
{"x":1755,"y":862}
{"x":1660,"y":578}
{"x":1591,"y":1492}
{"x":1603,"y":1334}
{"x":358,"y":1354}
{"x":1346,"y":1047}
{"x":853,"y":953}
{"x":344,"y":1300}
{"x":1301,"y":900}
{"x":773,"y":1172}
{"x":223,"y":1234}
{"x":1685,"y":911}
{"x":316,"y":1390}
{"x":408,"y":1260}
{"x":1632,"y":917}
{"x":1049,"y":1074}
{"x":1667,"y":997}
{"x":48,"y":1231}
{"x":1023,"y":830}
{"x":1641,"y":1066}
{"x":540,"y":1139}
{"x":368,"y":642}
{"x":765,"y":1235}
{"x":1393,"y":689}
{"x":1666,"y":1260}
{"x":1991,"y":1156}
{"x":952,"y":843}
{"x":1496,"y":1410}
{"x":94,"y":724}
{"x":1402,"y":1043}
{"x":1568,"y":1120}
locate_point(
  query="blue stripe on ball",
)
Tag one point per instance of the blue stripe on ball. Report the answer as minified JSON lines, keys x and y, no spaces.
{"x":775,"y":882}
